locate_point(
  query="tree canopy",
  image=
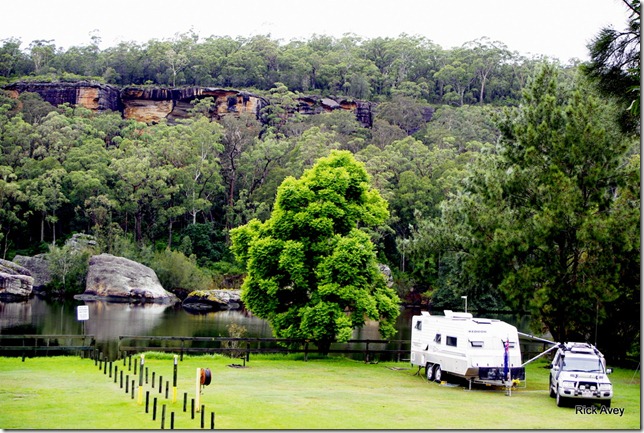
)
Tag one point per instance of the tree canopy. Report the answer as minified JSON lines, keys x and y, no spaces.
{"x":312,"y":270}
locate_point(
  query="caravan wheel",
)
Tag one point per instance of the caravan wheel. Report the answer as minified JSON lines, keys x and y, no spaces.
{"x":438,"y":373}
{"x":429,"y":371}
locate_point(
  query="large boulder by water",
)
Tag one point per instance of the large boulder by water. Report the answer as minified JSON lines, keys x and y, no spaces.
{"x":117,"y":278}
{"x":38,"y":267}
{"x":16,"y":281}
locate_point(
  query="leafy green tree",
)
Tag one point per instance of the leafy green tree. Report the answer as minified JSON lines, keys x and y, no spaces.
{"x":68,"y":267}
{"x":312,"y":271}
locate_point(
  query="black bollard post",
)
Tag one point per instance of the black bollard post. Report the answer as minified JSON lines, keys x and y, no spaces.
{"x":192,"y":408}
{"x":162,"y":416}
{"x":160,"y":384}
{"x":127,"y":383}
{"x":121,"y":379}
{"x":129,"y":363}
{"x":147,"y":400}
{"x":116,"y":371}
{"x":154,"y":409}
{"x":153,"y":379}
{"x":171,"y":420}
{"x":212,"y":420}
{"x":124,"y":358}
{"x":146,"y":375}
{"x":132,"y":389}
{"x":100,"y":364}
{"x":167,"y":387}
{"x":105,"y":367}
{"x":135,"y":364}
{"x":185,"y":400}
{"x":110,"y":368}
{"x":202,"y":416}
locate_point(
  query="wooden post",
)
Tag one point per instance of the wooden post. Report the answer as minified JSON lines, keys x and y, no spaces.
{"x":174,"y":380}
{"x":198,"y":389}
{"x":140,"y":395}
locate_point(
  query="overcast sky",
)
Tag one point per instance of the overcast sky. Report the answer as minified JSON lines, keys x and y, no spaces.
{"x":555,"y":28}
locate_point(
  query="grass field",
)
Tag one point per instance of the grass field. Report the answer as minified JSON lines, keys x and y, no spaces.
{"x":282,"y":392}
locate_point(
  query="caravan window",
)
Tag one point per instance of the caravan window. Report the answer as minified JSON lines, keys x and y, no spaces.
{"x":437,"y":339}
{"x":419,"y":325}
{"x":451,"y":341}
{"x":476,"y":343}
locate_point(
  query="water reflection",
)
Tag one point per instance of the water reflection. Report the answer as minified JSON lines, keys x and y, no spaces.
{"x":109,"y":320}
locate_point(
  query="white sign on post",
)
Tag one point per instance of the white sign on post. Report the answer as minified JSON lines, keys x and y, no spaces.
{"x":82,"y":312}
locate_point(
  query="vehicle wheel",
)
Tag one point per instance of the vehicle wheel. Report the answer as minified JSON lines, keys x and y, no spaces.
{"x":429,"y":371}
{"x":561,"y":401}
{"x":438,"y":373}
{"x":552,"y":392}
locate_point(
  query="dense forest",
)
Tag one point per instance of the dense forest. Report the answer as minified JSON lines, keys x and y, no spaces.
{"x":481,"y":71}
{"x":520,"y":191}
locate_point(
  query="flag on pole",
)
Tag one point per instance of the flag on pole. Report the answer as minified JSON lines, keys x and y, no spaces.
{"x":506,"y":359}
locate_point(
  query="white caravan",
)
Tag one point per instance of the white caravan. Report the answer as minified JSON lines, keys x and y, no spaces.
{"x":479,"y":350}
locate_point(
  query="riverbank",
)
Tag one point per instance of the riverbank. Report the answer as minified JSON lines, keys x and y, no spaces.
{"x":284,"y":392}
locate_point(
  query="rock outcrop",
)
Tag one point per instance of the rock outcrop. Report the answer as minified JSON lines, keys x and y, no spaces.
{"x":15,"y":281}
{"x":89,"y":94}
{"x":38,"y":267}
{"x":212,"y":300}
{"x":152,"y":104}
{"x":117,"y":278}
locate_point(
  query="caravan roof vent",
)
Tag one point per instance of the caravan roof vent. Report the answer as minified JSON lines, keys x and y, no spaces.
{"x":452,"y":315}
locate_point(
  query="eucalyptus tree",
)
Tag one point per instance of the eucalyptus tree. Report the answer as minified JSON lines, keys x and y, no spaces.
{"x":487,"y":57}
{"x":312,"y":272}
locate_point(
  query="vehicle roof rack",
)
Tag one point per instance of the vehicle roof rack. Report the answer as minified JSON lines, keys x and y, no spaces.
{"x":581,"y":348}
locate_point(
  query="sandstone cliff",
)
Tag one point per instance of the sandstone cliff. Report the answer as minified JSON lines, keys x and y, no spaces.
{"x":152,"y":104}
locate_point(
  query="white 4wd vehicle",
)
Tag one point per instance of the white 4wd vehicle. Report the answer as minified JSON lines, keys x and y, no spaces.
{"x":578,"y":372}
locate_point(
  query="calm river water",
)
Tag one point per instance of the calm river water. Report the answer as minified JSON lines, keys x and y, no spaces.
{"x":109,"y":320}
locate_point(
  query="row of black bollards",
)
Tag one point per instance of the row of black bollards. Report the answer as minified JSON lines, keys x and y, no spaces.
{"x":113,"y":372}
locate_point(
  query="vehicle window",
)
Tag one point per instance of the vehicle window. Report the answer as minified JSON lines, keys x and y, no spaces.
{"x":419,"y":325}
{"x":582,"y":364}
{"x":450,"y":341}
{"x":476,"y":343}
{"x":437,"y":339}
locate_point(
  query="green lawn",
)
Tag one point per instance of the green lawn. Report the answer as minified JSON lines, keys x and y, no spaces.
{"x":276,"y":392}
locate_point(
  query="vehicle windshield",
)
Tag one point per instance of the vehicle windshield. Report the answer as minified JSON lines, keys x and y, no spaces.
{"x":583,"y":364}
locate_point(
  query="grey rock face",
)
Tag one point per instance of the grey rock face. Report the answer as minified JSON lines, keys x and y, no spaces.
{"x":114,"y":277}
{"x":38,"y":267}
{"x":15,"y":281}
